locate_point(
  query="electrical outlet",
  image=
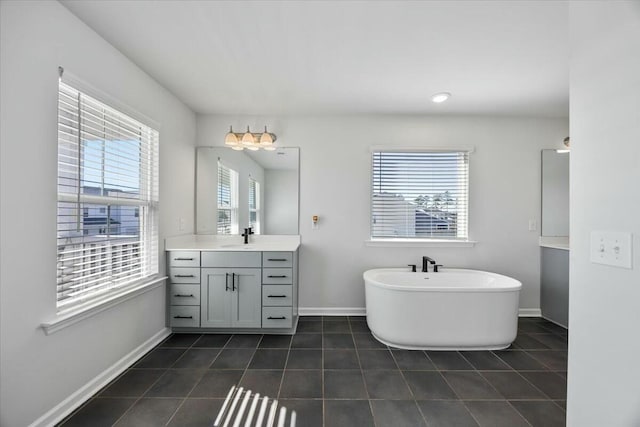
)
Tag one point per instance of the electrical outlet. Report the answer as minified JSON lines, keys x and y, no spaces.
{"x":611,"y":248}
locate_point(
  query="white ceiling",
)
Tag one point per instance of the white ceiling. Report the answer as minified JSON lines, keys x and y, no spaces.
{"x":316,"y":57}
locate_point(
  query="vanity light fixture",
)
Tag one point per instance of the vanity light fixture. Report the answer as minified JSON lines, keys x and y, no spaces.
{"x":249,"y":140}
{"x":567,"y":143}
{"x":440,"y":97}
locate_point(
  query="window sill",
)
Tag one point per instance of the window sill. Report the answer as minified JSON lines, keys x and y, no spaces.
{"x":421,"y":243}
{"x":74,"y":315}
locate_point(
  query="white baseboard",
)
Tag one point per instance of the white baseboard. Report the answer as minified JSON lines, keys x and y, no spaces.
{"x":529,"y":312}
{"x":332,"y":311}
{"x":68,"y":405}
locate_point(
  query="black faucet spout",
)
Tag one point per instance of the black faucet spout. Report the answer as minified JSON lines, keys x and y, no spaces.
{"x":425,"y":263}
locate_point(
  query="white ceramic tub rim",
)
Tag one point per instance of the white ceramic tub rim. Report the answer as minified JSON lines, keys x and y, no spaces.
{"x":505,"y":283}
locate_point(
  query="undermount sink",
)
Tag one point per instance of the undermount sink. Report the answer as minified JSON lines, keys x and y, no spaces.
{"x":238,"y":246}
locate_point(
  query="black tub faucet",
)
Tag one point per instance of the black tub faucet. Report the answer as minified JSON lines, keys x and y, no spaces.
{"x":425,"y":262}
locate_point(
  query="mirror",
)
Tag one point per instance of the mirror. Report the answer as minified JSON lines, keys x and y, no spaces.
{"x":555,"y":193}
{"x":271,"y":178}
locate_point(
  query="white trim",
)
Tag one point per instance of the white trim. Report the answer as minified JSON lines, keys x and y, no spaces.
{"x":423,"y":243}
{"x":66,"y":319}
{"x":423,"y":148}
{"x":529,"y":312}
{"x":332,"y":311}
{"x":84,"y":393}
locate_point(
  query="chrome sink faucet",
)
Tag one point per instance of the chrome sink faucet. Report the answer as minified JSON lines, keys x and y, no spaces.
{"x":425,"y":263}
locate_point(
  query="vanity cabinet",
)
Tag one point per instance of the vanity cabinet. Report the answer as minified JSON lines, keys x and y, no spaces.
{"x":184,"y":288}
{"x":231,"y":297}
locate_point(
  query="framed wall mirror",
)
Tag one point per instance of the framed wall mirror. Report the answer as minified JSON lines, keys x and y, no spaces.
{"x":240,"y":189}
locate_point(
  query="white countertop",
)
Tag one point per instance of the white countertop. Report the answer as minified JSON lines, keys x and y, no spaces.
{"x":555,"y":242}
{"x":232,"y":243}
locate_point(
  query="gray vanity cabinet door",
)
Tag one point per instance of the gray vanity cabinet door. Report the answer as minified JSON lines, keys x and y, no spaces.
{"x":247,"y":303}
{"x":216,"y":297}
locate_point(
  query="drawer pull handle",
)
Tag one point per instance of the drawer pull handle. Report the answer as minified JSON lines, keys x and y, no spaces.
{"x":277,"y":259}
{"x":277,"y":277}
{"x":183,"y":259}
{"x":183,"y":296}
{"x":276,"y":318}
{"x":276,"y":296}
{"x":183,"y":275}
{"x":183,"y":317}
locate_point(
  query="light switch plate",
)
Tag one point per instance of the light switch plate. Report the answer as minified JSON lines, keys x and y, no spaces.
{"x":611,"y":248}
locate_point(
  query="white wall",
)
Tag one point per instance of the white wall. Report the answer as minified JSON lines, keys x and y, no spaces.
{"x":281,"y":201}
{"x":38,"y":371}
{"x":335,"y":184}
{"x":604,"y":302}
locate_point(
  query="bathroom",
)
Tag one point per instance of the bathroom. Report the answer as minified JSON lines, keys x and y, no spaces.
{"x":505,"y":219}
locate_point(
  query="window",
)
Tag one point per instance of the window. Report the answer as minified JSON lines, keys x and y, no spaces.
{"x":420,"y":194}
{"x":227,"y":200}
{"x":254,"y":205}
{"x":107,"y":172}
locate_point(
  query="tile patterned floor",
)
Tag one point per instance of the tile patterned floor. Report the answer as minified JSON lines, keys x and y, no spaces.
{"x":334,"y":373}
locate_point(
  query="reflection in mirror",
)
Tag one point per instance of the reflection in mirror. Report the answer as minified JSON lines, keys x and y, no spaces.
{"x":240,"y":189}
{"x":555,"y":193}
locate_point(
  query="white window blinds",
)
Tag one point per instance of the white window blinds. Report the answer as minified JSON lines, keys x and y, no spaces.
{"x":254,"y":205}
{"x":227,"y":200}
{"x":420,"y":194}
{"x":107,"y":227}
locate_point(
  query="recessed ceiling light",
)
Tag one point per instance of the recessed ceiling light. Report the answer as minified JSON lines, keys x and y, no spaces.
{"x":440,"y":97}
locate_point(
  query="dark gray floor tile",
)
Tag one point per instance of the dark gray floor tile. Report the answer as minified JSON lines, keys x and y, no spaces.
{"x":133,"y":383}
{"x":160,"y":358}
{"x":175,"y":383}
{"x":216,"y":383}
{"x":555,"y":360}
{"x":244,"y":341}
{"x":341,"y":413}
{"x":556,"y":329}
{"x":308,"y":411}
{"x":267,"y":383}
{"x":449,"y":360}
{"x":338,"y":341}
{"x":307,"y":341}
{"x":497,"y":413}
{"x":512,"y":385}
{"x":532,"y":328}
{"x":360,"y":328}
{"x":470,"y":385}
{"x":397,"y":413}
{"x":527,"y":342}
{"x":99,"y":412}
{"x":550,"y":383}
{"x":341,"y":326}
{"x":552,"y":341}
{"x":344,"y":384}
{"x":428,"y":385}
{"x":275,"y":341}
{"x":196,"y":358}
{"x":212,"y":340}
{"x":376,"y":359}
{"x":269,"y":359}
{"x":446,"y":413}
{"x":304,"y":359}
{"x":341,"y":359}
{"x":180,"y":340}
{"x":386,"y":385}
{"x":335,"y":318}
{"x":563,"y":374}
{"x":310,"y":318}
{"x":310,"y":327}
{"x":541,"y":413}
{"x":561,"y":403}
{"x":357,"y":318}
{"x":367,"y":341}
{"x":413,"y":360}
{"x":197,"y":413}
{"x":233,"y":358}
{"x":520,"y":360}
{"x":149,"y":412}
{"x":485,"y":361}
{"x":305,"y":384}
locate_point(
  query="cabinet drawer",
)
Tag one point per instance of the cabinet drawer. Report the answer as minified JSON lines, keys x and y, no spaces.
{"x":231,"y":259}
{"x":184,"y":259}
{"x":184,"y":274}
{"x":276,"y":295}
{"x":277,"y":276}
{"x":185,"y":316}
{"x":277,"y":259}
{"x":185,"y":295}
{"x":277,"y":317}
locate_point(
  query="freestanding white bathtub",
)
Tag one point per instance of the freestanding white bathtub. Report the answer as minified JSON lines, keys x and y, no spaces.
{"x":453,"y":309}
